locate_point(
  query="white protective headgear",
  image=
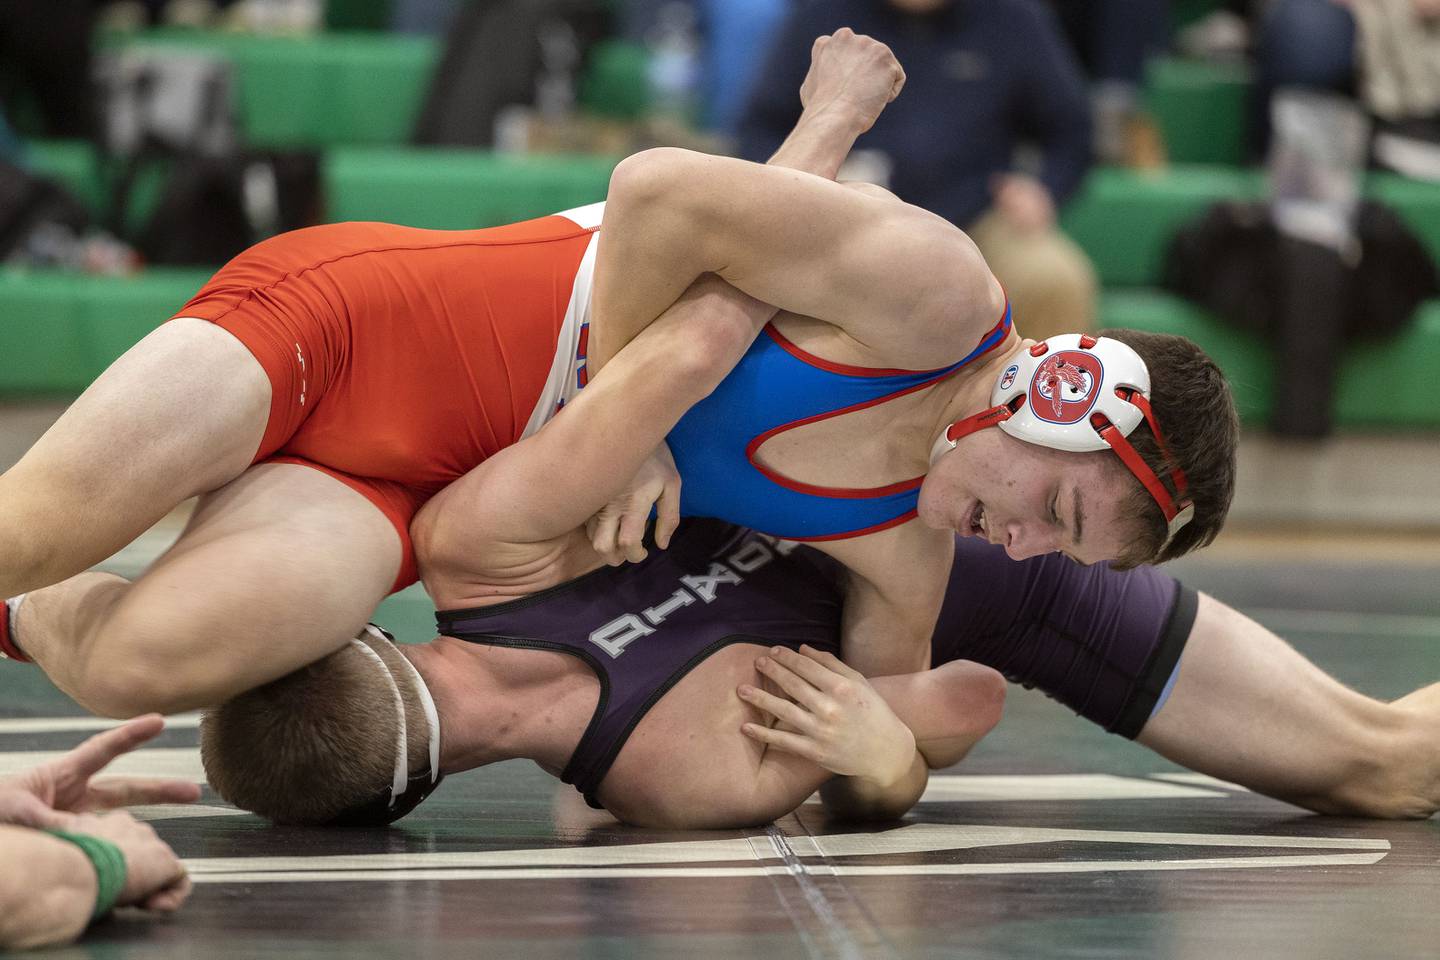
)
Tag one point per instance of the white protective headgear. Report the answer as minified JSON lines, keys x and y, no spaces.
{"x":405,"y":791}
{"x":1077,"y":392}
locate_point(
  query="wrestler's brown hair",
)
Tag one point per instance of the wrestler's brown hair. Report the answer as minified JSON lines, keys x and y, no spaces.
{"x":1196,"y":413}
{"x":316,"y":742}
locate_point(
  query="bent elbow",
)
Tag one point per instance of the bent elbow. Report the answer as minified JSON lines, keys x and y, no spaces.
{"x":990,"y":700}
{"x":704,"y":360}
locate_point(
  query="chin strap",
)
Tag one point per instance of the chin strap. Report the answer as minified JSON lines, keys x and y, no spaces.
{"x":432,"y":715}
{"x":993,"y":417}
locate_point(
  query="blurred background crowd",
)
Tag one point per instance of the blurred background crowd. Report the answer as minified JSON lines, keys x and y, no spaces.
{"x":1262,"y":175}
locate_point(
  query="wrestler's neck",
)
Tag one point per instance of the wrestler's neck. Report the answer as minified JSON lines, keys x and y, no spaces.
{"x":968,"y":392}
{"x":498,"y":703}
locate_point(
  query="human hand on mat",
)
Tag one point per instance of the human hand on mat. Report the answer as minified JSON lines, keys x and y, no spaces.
{"x":46,"y":796}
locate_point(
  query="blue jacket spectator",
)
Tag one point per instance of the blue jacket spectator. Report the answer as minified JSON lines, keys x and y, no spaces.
{"x":984,"y":79}
{"x":984,"y":76}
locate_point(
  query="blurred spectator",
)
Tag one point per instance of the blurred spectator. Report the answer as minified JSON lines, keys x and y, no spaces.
{"x":1309,"y":44}
{"x":64,"y":861}
{"x":986,"y":78}
{"x":1383,"y":54}
{"x":1400,"y":66}
{"x":1115,"y":39}
{"x":728,"y":62}
{"x":425,"y":17}
{"x":500,"y":54}
{"x":46,"y":61}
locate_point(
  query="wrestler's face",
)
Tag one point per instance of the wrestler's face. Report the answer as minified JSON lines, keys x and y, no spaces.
{"x":1023,"y":496}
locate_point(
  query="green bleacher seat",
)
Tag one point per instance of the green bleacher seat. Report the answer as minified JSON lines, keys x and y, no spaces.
{"x":1201,"y":109}
{"x":1124,"y":219}
{"x":1375,"y":388}
{"x":335,"y":88}
{"x":1418,"y":204}
{"x":458,"y":189}
{"x":616,"y":82}
{"x":73,"y":163}
{"x":358,"y":14}
{"x":61,"y":330}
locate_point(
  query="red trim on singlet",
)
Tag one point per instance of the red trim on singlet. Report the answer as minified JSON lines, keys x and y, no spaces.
{"x":853,"y":493}
{"x":841,"y":493}
{"x":905,"y":517}
{"x":849,"y":370}
{"x":809,"y":359}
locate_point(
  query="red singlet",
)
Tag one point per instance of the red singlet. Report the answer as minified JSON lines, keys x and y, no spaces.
{"x":400,"y":358}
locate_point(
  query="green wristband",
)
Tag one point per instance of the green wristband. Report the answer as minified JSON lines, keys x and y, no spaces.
{"x":109,"y":868}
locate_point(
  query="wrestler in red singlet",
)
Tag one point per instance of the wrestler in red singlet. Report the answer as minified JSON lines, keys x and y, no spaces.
{"x":400,"y":358}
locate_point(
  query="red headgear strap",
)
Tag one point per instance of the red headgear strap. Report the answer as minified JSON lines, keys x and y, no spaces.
{"x":1178,"y":511}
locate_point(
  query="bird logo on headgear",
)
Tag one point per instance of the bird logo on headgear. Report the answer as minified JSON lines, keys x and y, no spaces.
{"x":1063,"y":387}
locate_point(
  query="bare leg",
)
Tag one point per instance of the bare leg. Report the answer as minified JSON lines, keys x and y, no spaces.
{"x":181,"y":413}
{"x":276,"y":569}
{"x":1248,"y":708}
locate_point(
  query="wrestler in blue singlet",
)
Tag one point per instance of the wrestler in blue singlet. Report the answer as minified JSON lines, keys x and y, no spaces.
{"x":777,"y":387}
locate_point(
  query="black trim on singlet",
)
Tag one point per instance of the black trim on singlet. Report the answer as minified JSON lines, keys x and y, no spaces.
{"x":1146,"y":689}
{"x":584,"y":656}
{"x":443,"y":618}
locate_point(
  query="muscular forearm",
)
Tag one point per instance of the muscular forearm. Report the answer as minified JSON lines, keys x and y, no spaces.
{"x":949,"y":709}
{"x":819,"y":143}
{"x":47,"y":889}
{"x":611,"y":427}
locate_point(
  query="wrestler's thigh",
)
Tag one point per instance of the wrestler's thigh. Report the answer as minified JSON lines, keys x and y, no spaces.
{"x":275,"y":570}
{"x":182,"y":412}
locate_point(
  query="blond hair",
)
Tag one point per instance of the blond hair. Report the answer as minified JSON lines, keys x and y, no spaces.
{"x":314,"y":743}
